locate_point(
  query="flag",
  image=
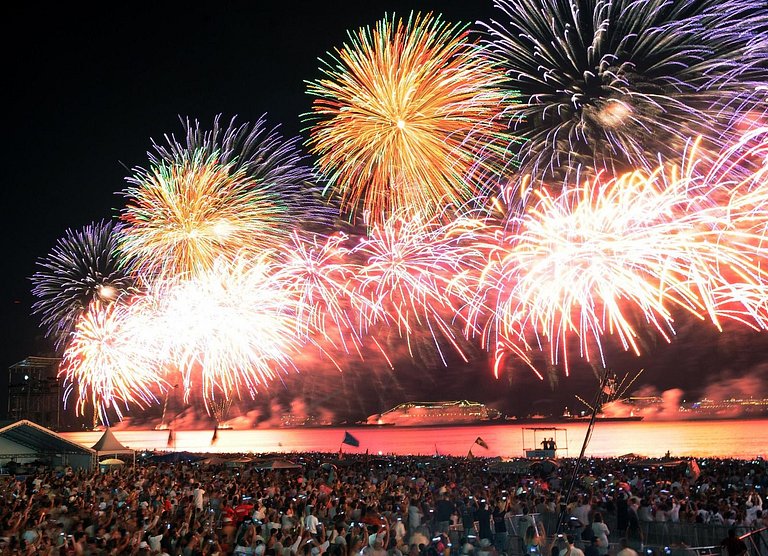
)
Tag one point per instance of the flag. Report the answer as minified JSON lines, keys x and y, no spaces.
{"x":470,"y":455}
{"x":694,"y":472}
{"x":171,"y":439}
{"x":481,"y":442}
{"x":351,"y":440}
{"x":215,"y":436}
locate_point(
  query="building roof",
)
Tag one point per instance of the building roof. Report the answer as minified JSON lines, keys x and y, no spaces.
{"x":33,"y":361}
{"x":109,"y":444}
{"x":41,"y":440}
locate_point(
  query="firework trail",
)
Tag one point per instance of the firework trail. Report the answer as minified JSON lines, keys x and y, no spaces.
{"x":585,"y":261}
{"x":616,"y":83}
{"x":320,"y":277}
{"x":407,"y":275}
{"x":219,"y":193}
{"x":230,"y":329}
{"x":110,"y":361}
{"x":406,"y":119}
{"x":83,"y":266}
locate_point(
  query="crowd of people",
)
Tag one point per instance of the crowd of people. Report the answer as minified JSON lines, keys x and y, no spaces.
{"x":386,"y":506}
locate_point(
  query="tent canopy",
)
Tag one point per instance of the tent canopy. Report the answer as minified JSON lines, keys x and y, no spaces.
{"x":41,"y":440}
{"x":275,"y":463}
{"x":109,"y":444}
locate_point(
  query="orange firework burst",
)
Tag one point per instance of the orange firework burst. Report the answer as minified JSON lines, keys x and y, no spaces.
{"x":217,"y":193}
{"x":184,"y":216}
{"x":407,"y":118}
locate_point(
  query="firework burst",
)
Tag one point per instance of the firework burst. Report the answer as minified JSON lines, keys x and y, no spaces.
{"x":320,"y":277}
{"x":110,"y":361}
{"x":230,"y":329}
{"x":217,"y":194}
{"x":408,"y":268}
{"x":83,"y":266}
{"x":615,"y":83}
{"x":406,"y":118}
{"x":586,"y":261}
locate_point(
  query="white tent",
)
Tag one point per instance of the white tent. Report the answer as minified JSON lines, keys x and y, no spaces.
{"x":108,"y":444}
{"x":25,"y":441}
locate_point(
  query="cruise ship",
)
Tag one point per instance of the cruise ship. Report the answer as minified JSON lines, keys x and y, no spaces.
{"x":723,"y":409}
{"x":421,"y":414}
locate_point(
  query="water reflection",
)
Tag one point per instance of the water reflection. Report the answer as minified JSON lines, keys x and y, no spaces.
{"x":737,"y":438}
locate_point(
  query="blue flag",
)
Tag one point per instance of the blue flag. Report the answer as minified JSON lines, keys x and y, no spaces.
{"x":351,"y":440}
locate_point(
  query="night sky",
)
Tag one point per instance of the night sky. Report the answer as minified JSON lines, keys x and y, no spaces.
{"x":90,"y":89}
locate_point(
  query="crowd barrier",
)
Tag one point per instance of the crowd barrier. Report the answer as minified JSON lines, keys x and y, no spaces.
{"x":660,"y":538}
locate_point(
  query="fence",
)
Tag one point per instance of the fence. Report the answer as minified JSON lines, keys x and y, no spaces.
{"x":662,"y":538}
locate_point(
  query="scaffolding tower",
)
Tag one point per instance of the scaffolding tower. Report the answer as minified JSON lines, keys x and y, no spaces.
{"x":35,"y":392}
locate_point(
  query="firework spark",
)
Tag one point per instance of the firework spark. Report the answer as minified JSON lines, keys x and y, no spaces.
{"x":218,"y":194}
{"x":407,"y":272}
{"x":110,"y":361}
{"x":83,"y":266}
{"x":406,"y":118}
{"x":615,"y":83}
{"x":586,"y":261}
{"x":230,"y":329}
{"x":320,"y":276}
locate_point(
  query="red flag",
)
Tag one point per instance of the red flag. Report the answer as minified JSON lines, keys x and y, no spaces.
{"x":693,"y":470}
{"x":481,"y":442}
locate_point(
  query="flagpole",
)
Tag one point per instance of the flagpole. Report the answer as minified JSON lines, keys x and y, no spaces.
{"x":587,"y":436}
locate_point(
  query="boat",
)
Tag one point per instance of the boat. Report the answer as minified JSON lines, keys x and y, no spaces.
{"x":290,"y":421}
{"x":561,"y":419}
{"x":421,"y":414}
{"x":604,"y":418}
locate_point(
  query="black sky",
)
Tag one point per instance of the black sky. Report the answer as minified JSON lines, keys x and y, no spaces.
{"x":89,"y":89}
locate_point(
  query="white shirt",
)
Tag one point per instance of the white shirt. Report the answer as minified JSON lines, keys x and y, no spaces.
{"x":198,"y":496}
{"x":399,"y":529}
{"x":310,"y":523}
{"x":154,"y":542}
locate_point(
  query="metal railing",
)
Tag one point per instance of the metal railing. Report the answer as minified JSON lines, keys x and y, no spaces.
{"x":662,"y":538}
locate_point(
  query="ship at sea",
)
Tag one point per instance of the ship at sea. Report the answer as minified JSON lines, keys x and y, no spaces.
{"x":568,"y":418}
{"x":422,"y":414}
